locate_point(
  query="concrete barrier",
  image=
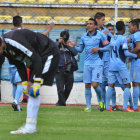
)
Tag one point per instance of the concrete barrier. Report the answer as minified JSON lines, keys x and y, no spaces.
{"x":49,"y":94}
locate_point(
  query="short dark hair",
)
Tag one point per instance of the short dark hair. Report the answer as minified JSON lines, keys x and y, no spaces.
{"x":135,"y":22}
{"x":95,"y":22}
{"x":17,"y":20}
{"x":65,"y":35}
{"x":109,"y":25}
{"x":120,"y":25}
{"x":99,"y":15}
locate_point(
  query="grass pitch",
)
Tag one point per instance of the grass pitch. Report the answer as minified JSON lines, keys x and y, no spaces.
{"x":71,"y":123}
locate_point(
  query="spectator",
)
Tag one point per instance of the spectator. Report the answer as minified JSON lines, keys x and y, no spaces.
{"x":13,"y":72}
{"x":64,"y":75}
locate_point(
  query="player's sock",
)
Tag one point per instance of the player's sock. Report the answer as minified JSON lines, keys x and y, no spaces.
{"x":18,"y":93}
{"x":98,"y":92}
{"x":139,"y":93}
{"x":32,"y":111}
{"x":103,"y":93}
{"x":14,"y":90}
{"x":130,"y":101}
{"x":135,"y":97}
{"x":88,"y":96}
{"x":126,"y":97}
{"x":109,"y":92}
{"x":113,"y":98}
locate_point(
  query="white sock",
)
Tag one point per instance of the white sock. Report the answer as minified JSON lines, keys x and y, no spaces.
{"x":32,"y":111}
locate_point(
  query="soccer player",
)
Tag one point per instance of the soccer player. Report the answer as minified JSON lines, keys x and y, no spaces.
{"x":117,"y":67}
{"x":110,"y":27}
{"x":100,"y":18}
{"x":13,"y":72}
{"x":41,"y":55}
{"x":93,"y":62}
{"x":135,"y":63}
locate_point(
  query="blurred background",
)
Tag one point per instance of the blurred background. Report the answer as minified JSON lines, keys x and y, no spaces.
{"x":66,"y":14}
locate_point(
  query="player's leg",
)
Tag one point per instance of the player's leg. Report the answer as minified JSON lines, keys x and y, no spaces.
{"x":87,"y":76}
{"x":18,"y":90}
{"x":110,"y":90}
{"x":96,"y":79}
{"x":136,"y":86}
{"x":125,"y":79}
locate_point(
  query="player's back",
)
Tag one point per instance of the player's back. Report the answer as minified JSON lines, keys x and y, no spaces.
{"x":118,"y":44}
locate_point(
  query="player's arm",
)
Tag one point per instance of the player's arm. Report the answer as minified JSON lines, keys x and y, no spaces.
{"x":49,"y":28}
{"x":129,"y":54}
{"x":137,"y":48}
{"x":105,"y":44}
{"x":79,"y":48}
{"x":104,"y":49}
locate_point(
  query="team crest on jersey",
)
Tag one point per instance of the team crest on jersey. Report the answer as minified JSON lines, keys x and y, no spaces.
{"x":95,"y":39}
{"x":124,"y":80}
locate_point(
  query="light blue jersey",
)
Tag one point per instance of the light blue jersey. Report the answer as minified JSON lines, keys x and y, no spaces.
{"x":135,"y":63}
{"x":136,"y":38}
{"x":89,"y":41}
{"x":106,"y":55}
{"x":118,"y":45}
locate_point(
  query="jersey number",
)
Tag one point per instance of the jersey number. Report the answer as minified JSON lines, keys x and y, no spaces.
{"x":114,"y":50}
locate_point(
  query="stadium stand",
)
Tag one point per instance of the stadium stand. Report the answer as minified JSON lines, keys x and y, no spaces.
{"x":66,"y":1}
{"x":85,"y":2}
{"x":46,"y":1}
{"x":105,"y":2}
{"x":5,"y":17}
{"x":59,"y":18}
{"x":26,"y":17}
{"x":126,"y":2}
{"x":42,"y":18}
{"x":81,"y":18}
{"x":125,"y":19}
{"x":27,"y":1}
{"x":138,"y":2}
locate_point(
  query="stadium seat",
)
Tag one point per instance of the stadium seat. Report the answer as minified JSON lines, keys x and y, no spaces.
{"x":105,"y":2}
{"x":81,"y":18}
{"x":138,"y":2}
{"x":125,"y":19}
{"x":5,"y":17}
{"x":85,"y":1}
{"x":46,"y":1}
{"x":58,"y":18}
{"x":2,"y":0}
{"x":107,"y":19}
{"x":11,"y":1}
{"x":126,"y":2}
{"x":26,"y":17}
{"x":42,"y":18}
{"x":66,"y":1}
{"x":27,"y":1}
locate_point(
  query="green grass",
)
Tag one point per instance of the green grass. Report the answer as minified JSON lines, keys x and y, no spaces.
{"x":71,"y":123}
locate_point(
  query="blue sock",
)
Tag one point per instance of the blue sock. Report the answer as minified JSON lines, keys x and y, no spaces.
{"x":113,"y":97}
{"x":130,"y":101}
{"x":126,"y":97}
{"x":103,"y":93}
{"x":98,"y":92}
{"x":14,"y":90}
{"x":18,"y":93}
{"x":88,"y":96}
{"x":109,"y":92}
{"x":135,"y":97}
{"x":139,"y":93}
